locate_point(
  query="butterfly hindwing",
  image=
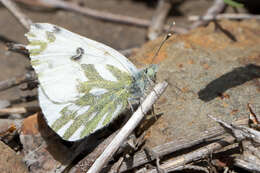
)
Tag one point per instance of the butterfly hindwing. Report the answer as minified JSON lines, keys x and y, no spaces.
{"x":84,"y":84}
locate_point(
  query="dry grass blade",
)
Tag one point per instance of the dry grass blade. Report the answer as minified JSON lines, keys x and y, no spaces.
{"x":19,"y":110}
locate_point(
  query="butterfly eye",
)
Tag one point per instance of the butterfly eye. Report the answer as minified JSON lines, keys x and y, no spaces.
{"x":79,"y":53}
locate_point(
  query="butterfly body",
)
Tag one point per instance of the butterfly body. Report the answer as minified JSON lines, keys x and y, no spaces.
{"x":84,"y":84}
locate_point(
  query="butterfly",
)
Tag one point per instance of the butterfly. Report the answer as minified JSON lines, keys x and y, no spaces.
{"x":83,"y":84}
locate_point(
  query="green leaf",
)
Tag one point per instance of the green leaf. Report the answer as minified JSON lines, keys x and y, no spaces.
{"x":234,"y":3}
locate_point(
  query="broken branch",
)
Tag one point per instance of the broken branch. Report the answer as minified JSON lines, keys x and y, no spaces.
{"x":224,"y":16}
{"x":217,"y":7}
{"x":9,"y":83}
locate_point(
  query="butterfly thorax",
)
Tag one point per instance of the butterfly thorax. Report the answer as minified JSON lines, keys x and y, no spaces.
{"x":143,"y":80}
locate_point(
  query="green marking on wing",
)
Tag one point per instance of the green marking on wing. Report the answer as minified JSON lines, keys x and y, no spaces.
{"x":102,"y":105}
{"x":35,"y":62}
{"x":40,"y":45}
{"x":87,"y":99}
{"x":120,"y":75}
{"x":30,"y":34}
{"x":91,"y":73}
{"x":96,"y":81}
{"x":107,"y":109}
{"x":50,"y":36}
{"x":123,"y":105}
{"x":67,"y":115}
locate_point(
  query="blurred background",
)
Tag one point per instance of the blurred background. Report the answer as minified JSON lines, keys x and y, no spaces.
{"x":198,"y":60}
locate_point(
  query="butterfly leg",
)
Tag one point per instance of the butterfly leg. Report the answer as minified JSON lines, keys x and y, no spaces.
{"x":152,"y":83}
{"x":130,"y":105}
{"x":153,"y":112}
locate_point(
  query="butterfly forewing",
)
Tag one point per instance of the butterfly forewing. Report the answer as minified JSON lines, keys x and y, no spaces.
{"x":84,"y":84}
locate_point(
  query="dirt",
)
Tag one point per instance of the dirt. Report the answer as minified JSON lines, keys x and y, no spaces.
{"x":209,"y":73}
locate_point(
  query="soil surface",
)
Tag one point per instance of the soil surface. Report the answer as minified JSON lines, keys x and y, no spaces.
{"x":210,"y":71}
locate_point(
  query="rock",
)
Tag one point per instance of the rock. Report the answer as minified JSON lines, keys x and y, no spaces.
{"x":210,"y":71}
{"x":10,"y":162}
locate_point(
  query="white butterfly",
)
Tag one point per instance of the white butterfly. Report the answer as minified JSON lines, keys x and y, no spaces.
{"x":84,"y":84}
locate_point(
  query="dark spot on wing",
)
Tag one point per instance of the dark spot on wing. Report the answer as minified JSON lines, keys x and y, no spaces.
{"x":56,"y":29}
{"x":79,"y":53}
{"x":36,"y":25}
{"x":107,"y":53}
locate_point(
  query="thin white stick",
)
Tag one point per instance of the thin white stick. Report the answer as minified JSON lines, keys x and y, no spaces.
{"x":128,"y":128}
{"x":224,"y":16}
{"x":217,"y":7}
{"x":12,"y":7}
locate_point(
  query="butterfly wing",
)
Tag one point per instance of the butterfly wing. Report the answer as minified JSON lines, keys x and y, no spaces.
{"x":83,"y":84}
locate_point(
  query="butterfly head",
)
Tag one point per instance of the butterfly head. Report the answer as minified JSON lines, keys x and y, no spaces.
{"x":143,"y":80}
{"x":151,"y":71}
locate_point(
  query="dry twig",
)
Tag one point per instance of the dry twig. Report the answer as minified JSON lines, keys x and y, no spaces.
{"x":178,"y":162}
{"x":106,"y":16}
{"x":157,"y":23}
{"x":128,"y":128}
{"x":252,"y":167}
{"x":217,"y":7}
{"x":12,"y":7}
{"x":19,"y":110}
{"x":141,"y":158}
{"x":16,"y":47}
{"x":253,"y":117}
{"x":9,"y":83}
{"x":224,"y":16}
{"x":115,"y":168}
{"x":250,"y":142}
{"x":192,"y":167}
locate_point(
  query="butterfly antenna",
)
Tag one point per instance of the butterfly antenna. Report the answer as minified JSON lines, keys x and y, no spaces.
{"x":169,"y":34}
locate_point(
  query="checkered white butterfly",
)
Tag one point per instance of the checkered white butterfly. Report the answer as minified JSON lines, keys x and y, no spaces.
{"x":84,"y":84}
